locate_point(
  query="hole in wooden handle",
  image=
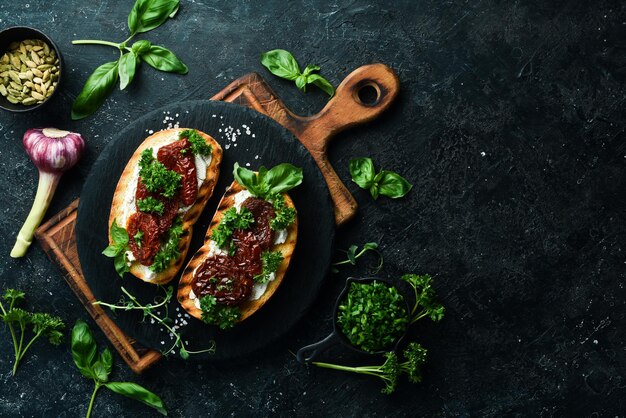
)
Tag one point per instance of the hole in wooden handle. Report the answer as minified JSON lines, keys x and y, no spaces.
{"x":367,"y":93}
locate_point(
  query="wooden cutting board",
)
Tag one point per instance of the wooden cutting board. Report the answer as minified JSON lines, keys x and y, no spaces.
{"x":361,"y":97}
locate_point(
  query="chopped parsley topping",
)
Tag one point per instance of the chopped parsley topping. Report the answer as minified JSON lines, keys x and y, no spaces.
{"x":151,"y":205}
{"x":169,"y":250}
{"x":232,"y":220}
{"x":198,"y":144}
{"x":156,"y":177}
{"x":221,"y":315}
{"x":271,"y":261}
{"x":285,"y":215}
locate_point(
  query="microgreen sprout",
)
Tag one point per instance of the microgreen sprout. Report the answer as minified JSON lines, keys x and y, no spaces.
{"x":353,"y":255}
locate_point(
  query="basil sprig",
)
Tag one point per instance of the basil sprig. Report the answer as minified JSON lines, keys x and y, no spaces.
{"x":98,"y":366}
{"x":118,"y":249}
{"x":386,"y":183}
{"x":145,"y":16}
{"x":278,"y":179}
{"x":282,"y":64}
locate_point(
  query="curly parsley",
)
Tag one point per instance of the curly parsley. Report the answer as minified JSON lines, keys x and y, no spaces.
{"x":169,"y":250}
{"x":156,"y":177}
{"x":151,"y":205}
{"x":231,"y":221}
{"x":285,"y":215}
{"x":221,"y":315}
{"x":198,"y":144}
{"x":271,"y":261}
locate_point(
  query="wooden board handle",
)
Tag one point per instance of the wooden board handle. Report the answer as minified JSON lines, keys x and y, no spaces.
{"x":349,"y":107}
{"x":362,"y":96}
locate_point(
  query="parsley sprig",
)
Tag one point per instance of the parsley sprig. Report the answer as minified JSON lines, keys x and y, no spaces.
{"x":231,"y":220}
{"x":425,"y":298}
{"x":18,"y":320}
{"x":198,"y":144}
{"x":128,"y":302}
{"x":118,"y":249}
{"x":285,"y":215}
{"x":170,"y":250}
{"x":391,"y":370}
{"x":151,"y":205}
{"x":213,"y":313}
{"x":271,"y":261}
{"x":156,"y":177}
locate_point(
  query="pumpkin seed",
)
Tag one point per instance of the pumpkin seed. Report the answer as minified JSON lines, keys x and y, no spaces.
{"x":37,"y":96}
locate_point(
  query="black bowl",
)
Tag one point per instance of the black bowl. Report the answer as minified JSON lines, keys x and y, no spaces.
{"x":20,"y":33}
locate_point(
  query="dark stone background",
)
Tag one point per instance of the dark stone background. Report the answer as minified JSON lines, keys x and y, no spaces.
{"x":510,"y":124}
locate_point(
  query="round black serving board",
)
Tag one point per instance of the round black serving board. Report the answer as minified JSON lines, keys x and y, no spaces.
{"x":271,"y":144}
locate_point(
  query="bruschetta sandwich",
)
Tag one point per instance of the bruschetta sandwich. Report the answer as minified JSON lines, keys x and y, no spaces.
{"x":247,"y":248}
{"x":159,"y":197}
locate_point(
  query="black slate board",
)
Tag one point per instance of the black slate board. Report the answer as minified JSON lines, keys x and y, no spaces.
{"x":270,"y":145}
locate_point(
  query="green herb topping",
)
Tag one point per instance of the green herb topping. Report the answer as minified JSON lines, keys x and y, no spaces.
{"x":271,"y":261}
{"x":169,"y":251}
{"x":223,"y":316}
{"x":138,"y":237}
{"x":15,"y":318}
{"x":391,"y":370}
{"x":231,"y":221}
{"x":278,"y":179}
{"x":386,"y":183}
{"x":98,"y":367}
{"x":282,"y":64}
{"x":373,"y":315}
{"x":425,"y":298}
{"x":151,"y":205}
{"x":197,"y":141}
{"x":285,"y":215}
{"x":118,"y":249}
{"x":156,"y":177}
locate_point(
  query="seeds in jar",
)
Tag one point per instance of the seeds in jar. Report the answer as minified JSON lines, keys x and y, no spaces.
{"x":29,"y":71}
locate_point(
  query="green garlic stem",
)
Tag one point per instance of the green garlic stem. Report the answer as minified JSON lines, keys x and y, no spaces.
{"x":45,"y":190}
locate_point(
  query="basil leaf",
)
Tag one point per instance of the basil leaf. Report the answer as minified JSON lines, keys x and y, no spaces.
{"x":141,"y":46}
{"x":96,"y":89}
{"x":84,"y":349}
{"x":301,"y":82}
{"x":322,"y":83}
{"x":149,"y":14}
{"x":282,"y":178}
{"x":121,"y":263}
{"x":106,"y":358}
{"x":370,"y":246}
{"x":118,"y":234}
{"x":393,"y":185}
{"x":362,"y":172}
{"x":247,"y":178}
{"x":281,"y":63}
{"x":374,"y":191}
{"x":99,"y":372}
{"x":111,"y":250}
{"x":126,"y":69}
{"x":139,"y":393}
{"x":352,"y":254}
{"x":309,"y":69}
{"x":164,"y":60}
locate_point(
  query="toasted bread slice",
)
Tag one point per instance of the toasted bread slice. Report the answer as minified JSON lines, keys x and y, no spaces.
{"x":124,"y":199}
{"x":250,"y":306}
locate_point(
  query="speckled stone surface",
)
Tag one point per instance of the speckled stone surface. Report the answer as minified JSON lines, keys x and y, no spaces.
{"x":511,"y":126}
